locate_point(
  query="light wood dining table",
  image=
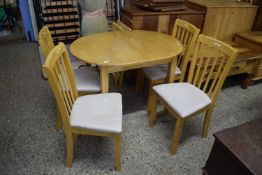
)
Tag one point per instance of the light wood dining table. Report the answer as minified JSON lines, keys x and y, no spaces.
{"x":120,"y":51}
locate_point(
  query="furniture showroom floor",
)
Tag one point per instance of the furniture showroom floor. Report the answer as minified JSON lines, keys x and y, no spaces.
{"x":29,"y":143}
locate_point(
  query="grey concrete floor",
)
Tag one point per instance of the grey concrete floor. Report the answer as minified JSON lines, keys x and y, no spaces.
{"x":29,"y":143}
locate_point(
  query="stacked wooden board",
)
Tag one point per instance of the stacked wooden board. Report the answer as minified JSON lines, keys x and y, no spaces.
{"x":160,"y":5}
{"x":63,"y":20}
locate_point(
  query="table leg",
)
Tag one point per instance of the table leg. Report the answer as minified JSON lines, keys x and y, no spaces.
{"x":172,"y":70}
{"x":104,"y":79}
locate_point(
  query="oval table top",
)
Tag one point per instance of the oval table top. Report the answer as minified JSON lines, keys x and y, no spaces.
{"x":125,"y":48}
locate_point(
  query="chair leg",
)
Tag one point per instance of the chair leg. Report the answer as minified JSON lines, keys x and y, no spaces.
{"x":75,"y":137}
{"x":59,"y":121}
{"x":88,"y":65}
{"x":177,"y":135}
{"x":115,"y":75}
{"x":120,"y":80}
{"x":166,"y":111}
{"x":139,"y":81}
{"x":150,"y":96}
{"x":206,"y":122}
{"x":152,"y":115}
{"x":117,"y":139}
{"x":70,"y":150}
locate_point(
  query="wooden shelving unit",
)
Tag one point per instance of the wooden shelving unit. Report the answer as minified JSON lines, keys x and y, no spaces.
{"x":63,"y":19}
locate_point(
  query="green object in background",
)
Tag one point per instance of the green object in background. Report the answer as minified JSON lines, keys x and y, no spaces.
{"x":3,"y":15}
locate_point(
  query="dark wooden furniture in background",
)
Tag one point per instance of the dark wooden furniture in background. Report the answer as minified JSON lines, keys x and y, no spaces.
{"x":140,"y":19}
{"x":257,"y":26}
{"x":237,"y":151}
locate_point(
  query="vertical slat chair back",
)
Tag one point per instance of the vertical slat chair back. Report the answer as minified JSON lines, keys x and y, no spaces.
{"x":211,"y":62}
{"x":116,"y":27}
{"x":123,"y":26}
{"x":61,"y":79}
{"x":187,"y":34}
{"x":45,"y":41}
{"x":119,"y":26}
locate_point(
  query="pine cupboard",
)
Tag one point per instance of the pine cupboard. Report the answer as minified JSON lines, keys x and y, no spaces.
{"x":225,"y":18}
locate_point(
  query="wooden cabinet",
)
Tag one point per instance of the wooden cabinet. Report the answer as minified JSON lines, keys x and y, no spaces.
{"x":140,"y":19}
{"x":225,"y":18}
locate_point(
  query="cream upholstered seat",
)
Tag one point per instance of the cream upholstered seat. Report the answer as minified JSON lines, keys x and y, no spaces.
{"x":87,"y":80}
{"x":98,"y":115}
{"x":187,"y":34}
{"x":100,"y":112}
{"x":183,"y":98}
{"x":210,"y":63}
{"x":159,"y":71}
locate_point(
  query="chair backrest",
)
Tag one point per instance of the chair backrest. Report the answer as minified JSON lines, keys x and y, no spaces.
{"x":123,"y":26}
{"x":187,"y":34}
{"x":45,"y":41}
{"x":119,"y":26}
{"x":61,"y":79}
{"x":116,"y":27}
{"x":210,"y":64}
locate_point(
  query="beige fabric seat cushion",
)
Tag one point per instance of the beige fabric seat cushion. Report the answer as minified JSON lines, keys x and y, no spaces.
{"x":74,"y":62}
{"x":99,"y":112}
{"x":159,"y":71}
{"x":87,"y":79}
{"x":184,"y":98}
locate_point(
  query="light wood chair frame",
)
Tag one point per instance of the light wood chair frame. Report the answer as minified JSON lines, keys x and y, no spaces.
{"x":61,"y":79}
{"x":119,"y":26}
{"x":207,"y":77}
{"x":187,"y":34}
{"x":45,"y":41}
{"x":46,"y":44}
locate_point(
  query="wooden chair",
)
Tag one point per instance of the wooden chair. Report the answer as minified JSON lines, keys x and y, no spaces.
{"x":116,"y":27}
{"x":87,"y":78}
{"x":119,"y":26}
{"x":210,"y":64}
{"x":187,"y":34}
{"x":46,"y":44}
{"x":97,"y":114}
